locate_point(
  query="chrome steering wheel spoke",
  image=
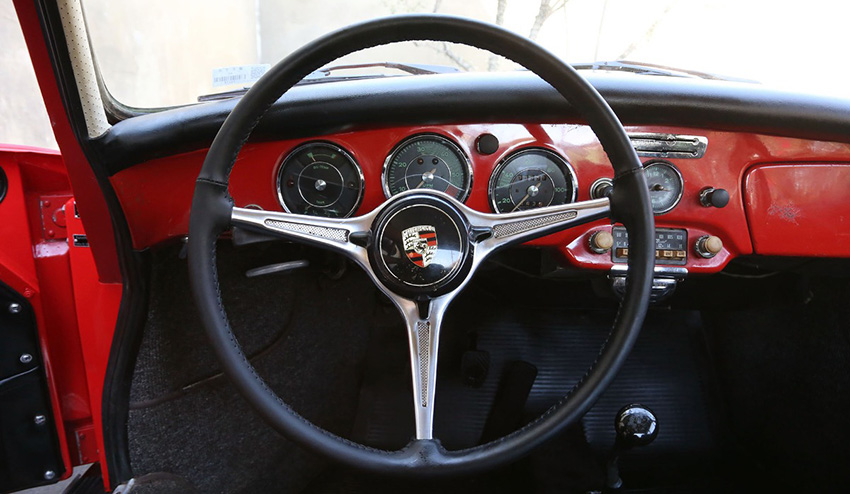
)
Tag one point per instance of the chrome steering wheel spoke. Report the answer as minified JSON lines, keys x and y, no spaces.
{"x":423,"y":321}
{"x":492,"y":232}
{"x":348,"y":236}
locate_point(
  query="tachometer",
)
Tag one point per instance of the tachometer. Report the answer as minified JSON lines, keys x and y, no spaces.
{"x":532,"y":178}
{"x":428,"y":161}
{"x":320,"y":179}
{"x":665,"y":185}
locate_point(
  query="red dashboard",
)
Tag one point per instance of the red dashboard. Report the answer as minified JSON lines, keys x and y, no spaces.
{"x":743,"y":164}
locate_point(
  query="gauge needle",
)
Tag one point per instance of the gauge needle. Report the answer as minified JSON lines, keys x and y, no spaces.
{"x":316,"y":180}
{"x":532,"y":191}
{"x":657,"y":187}
{"x":425,"y":178}
{"x":521,"y":201}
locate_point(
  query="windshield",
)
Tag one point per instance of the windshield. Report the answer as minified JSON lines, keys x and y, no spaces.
{"x":159,"y":53}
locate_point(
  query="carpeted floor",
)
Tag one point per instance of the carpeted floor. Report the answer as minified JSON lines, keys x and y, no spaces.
{"x":785,"y":372}
{"x":207,"y":433}
{"x":745,"y":397}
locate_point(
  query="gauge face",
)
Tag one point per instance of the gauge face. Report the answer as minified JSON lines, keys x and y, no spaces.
{"x":428,"y":161}
{"x":665,"y":185}
{"x":320,"y":179}
{"x":532,"y":178}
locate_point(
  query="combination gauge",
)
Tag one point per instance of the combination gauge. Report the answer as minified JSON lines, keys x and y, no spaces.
{"x":320,"y":179}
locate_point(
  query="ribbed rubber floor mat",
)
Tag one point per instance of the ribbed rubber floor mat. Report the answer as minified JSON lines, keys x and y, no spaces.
{"x":667,"y":372}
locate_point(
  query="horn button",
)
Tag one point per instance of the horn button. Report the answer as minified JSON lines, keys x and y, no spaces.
{"x":421,"y":246}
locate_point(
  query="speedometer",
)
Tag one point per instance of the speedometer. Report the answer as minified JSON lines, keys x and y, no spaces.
{"x":532,"y":178}
{"x":428,"y":161}
{"x":665,"y":185}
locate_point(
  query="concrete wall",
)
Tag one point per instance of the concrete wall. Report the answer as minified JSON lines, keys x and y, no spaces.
{"x":23,"y":119}
{"x":175,"y":44}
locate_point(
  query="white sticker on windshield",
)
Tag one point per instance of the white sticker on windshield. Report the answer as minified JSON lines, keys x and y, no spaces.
{"x":239,"y":74}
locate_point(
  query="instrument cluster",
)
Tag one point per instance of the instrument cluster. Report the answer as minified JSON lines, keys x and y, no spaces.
{"x":322,"y":178}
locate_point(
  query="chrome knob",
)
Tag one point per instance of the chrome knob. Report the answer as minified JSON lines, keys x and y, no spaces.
{"x":601,"y":188}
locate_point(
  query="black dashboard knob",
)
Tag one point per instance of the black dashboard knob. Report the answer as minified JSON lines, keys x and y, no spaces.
{"x":711,"y":197}
{"x":487,"y":144}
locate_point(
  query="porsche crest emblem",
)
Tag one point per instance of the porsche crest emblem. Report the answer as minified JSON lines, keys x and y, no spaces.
{"x":420,"y":244}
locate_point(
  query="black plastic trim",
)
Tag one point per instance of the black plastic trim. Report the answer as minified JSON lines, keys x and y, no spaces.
{"x":133,"y":305}
{"x":319,"y":109}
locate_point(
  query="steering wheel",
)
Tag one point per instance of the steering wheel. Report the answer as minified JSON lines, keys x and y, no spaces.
{"x":420,"y":248}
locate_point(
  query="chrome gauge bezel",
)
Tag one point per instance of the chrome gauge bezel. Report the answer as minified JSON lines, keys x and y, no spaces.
{"x":328,"y":145}
{"x":428,"y":135}
{"x":597,"y":183}
{"x":679,"y":177}
{"x":491,"y":187}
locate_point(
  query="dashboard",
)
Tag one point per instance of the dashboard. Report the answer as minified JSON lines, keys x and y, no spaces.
{"x":707,"y":187}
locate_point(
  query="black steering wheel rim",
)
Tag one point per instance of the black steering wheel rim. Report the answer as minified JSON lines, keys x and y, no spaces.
{"x":211,"y":214}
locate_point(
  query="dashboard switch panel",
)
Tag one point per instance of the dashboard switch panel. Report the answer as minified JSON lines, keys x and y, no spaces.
{"x":671,"y":246}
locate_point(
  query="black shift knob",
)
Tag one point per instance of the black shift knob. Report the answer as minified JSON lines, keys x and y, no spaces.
{"x":711,"y":197}
{"x":636,"y":426}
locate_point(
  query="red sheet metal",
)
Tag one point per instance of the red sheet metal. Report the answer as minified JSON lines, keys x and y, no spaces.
{"x":31,"y":275}
{"x":799,"y":209}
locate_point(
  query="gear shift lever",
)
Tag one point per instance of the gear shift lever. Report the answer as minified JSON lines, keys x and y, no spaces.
{"x":636,"y":426}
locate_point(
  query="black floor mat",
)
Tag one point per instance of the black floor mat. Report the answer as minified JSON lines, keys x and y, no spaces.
{"x":785,"y":372}
{"x":668,"y":372}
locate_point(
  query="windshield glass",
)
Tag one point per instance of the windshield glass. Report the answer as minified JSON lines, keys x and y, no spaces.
{"x":159,"y":53}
